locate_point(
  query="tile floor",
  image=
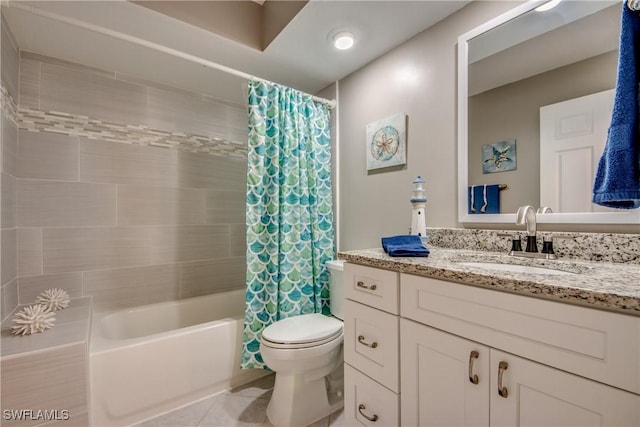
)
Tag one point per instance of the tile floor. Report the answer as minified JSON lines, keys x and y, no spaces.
{"x":241,"y":407}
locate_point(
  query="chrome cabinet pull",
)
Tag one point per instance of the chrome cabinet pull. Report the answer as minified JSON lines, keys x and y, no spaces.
{"x":502,"y":391}
{"x":362,"y":341}
{"x":361,"y":284}
{"x":361,"y":408}
{"x":472,"y":358}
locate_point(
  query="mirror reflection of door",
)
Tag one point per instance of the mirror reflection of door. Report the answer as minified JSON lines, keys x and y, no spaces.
{"x":572,"y":138}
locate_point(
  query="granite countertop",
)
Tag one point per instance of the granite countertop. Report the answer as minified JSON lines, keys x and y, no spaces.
{"x":606,"y":286}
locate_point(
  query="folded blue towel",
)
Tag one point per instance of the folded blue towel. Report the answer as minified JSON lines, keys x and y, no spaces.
{"x":617,"y":183}
{"x":405,"y":245}
{"x":484,"y":199}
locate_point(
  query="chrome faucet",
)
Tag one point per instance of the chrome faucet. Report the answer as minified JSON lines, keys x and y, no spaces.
{"x":527,"y":215}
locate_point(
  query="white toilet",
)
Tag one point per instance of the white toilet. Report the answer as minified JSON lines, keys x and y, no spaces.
{"x":305,"y":352}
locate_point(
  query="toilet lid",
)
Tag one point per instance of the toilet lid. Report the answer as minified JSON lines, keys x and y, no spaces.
{"x":307,"y":328}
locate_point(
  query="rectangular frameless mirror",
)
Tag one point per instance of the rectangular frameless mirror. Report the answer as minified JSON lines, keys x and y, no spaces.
{"x":536,"y":88}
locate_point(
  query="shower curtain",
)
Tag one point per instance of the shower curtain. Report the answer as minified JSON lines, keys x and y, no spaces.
{"x":289,"y":210}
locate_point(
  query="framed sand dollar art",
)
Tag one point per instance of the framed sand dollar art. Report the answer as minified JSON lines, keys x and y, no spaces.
{"x":387,"y":142}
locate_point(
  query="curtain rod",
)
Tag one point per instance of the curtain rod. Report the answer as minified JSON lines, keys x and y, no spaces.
{"x":331,"y":103}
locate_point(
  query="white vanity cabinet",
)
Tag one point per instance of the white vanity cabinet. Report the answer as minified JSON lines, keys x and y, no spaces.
{"x":480,"y":357}
{"x":445,"y":378}
{"x":451,"y":381}
{"x":371,"y":346}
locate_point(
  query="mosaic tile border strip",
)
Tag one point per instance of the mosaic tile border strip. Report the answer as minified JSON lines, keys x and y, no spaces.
{"x":74,"y":125}
{"x":35,"y":120}
{"x":8,"y":104}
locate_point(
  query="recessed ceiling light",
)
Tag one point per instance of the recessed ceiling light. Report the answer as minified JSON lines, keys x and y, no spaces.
{"x":548,"y":6}
{"x":343,"y":40}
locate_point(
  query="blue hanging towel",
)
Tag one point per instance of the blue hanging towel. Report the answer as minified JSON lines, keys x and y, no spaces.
{"x":405,"y":245}
{"x":484,"y":199}
{"x":617,"y":183}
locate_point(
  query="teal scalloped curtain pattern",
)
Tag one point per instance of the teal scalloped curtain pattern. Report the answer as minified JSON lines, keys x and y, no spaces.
{"x":289,"y":211}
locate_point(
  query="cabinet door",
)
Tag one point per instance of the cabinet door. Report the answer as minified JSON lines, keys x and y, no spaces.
{"x":444,"y":378}
{"x":537,"y":395}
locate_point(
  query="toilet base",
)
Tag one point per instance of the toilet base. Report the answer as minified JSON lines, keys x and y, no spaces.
{"x":297,"y":402}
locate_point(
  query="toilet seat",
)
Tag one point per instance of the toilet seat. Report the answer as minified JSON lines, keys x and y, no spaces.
{"x":307,"y":330}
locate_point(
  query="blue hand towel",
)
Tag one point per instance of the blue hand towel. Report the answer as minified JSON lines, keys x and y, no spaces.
{"x":406,"y":245}
{"x":484,"y":199}
{"x":617,"y":183}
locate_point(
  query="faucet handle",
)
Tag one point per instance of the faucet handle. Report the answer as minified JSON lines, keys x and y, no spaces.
{"x":516,"y":241}
{"x":547,"y":244}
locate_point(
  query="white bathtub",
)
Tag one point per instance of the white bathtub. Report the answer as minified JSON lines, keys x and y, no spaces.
{"x":148,"y":360}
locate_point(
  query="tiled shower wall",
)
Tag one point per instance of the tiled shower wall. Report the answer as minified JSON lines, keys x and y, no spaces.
{"x":9,"y":147}
{"x":126,"y":191}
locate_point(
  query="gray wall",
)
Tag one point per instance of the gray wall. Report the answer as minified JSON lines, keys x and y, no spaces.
{"x":419,"y":79}
{"x":128,"y":192}
{"x":513,"y":112}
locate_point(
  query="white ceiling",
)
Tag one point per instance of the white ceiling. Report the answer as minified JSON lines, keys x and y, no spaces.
{"x":105,"y":34}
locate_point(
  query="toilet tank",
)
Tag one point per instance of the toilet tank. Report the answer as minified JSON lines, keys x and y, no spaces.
{"x":336,"y":288}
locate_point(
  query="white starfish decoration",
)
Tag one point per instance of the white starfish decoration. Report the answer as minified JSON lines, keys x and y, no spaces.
{"x":32,"y":319}
{"x":54,"y":299}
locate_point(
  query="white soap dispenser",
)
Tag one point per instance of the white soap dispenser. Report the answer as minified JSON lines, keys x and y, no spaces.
{"x":419,"y":201}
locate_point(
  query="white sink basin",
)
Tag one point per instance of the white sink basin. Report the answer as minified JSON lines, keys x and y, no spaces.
{"x":514,"y":268}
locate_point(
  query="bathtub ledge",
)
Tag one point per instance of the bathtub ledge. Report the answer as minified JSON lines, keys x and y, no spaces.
{"x":72,"y":326}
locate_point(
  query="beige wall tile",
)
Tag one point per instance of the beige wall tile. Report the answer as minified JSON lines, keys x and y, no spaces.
{"x":43,"y":155}
{"x":109,"y":162}
{"x":8,"y":201}
{"x":29,"y":251}
{"x":9,"y":254}
{"x":10,"y":62}
{"x":9,"y":146}
{"x":181,"y":111}
{"x":139,"y":205}
{"x":217,"y":172}
{"x":226,"y":207}
{"x":29,"y":82}
{"x":89,"y":94}
{"x":189,"y":243}
{"x":237,"y":240}
{"x":9,"y":298}
{"x":31,"y":287}
{"x":53,"y":204}
{"x":238,"y":124}
{"x":89,"y":248}
{"x":67,"y":64}
{"x":206,"y":277}
{"x":53,"y":379}
{"x":113,"y":289}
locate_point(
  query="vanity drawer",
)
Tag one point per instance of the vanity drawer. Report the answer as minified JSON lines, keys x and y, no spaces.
{"x":371,"y":343}
{"x":364,"y":398}
{"x":372,"y":286}
{"x":580,"y":340}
